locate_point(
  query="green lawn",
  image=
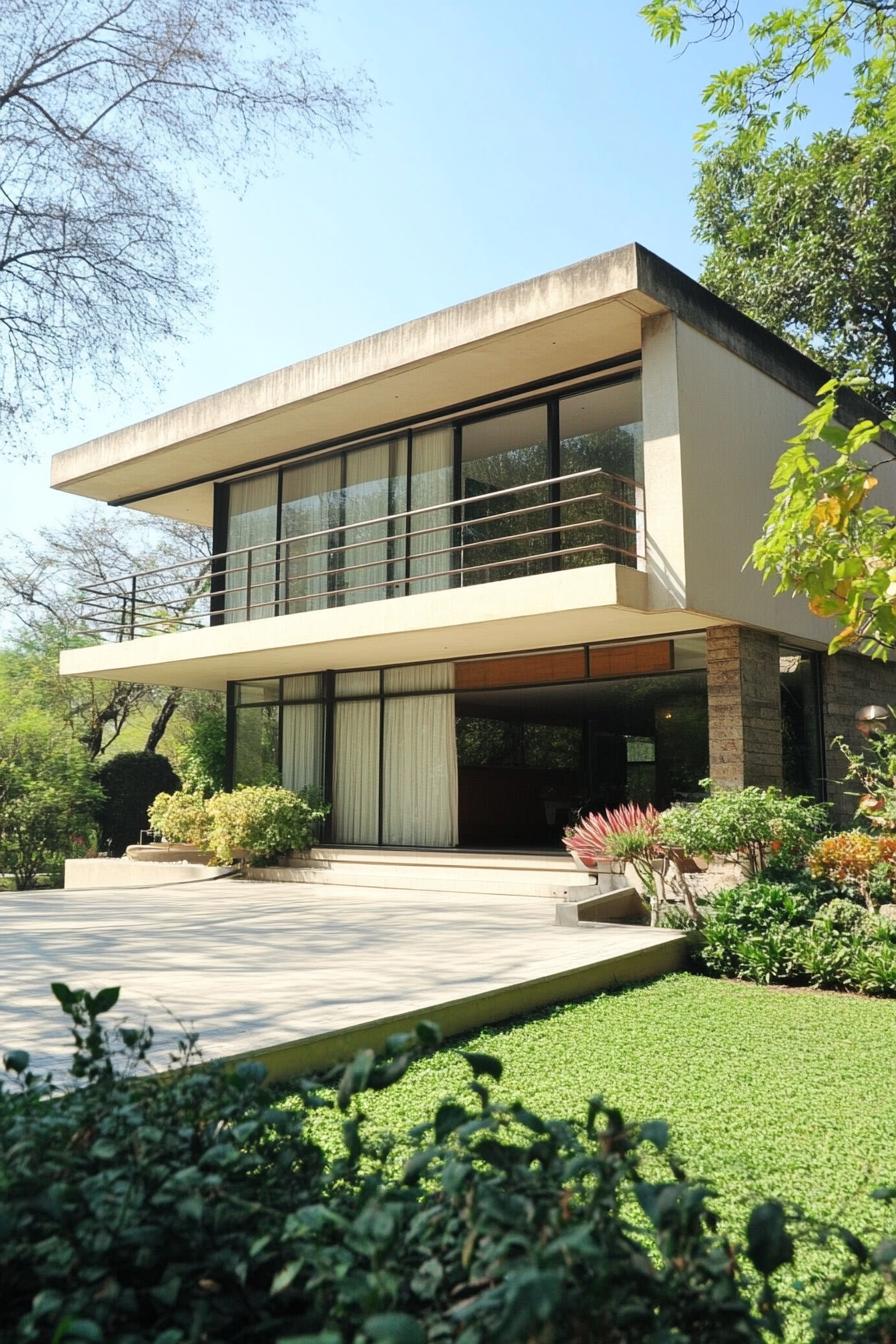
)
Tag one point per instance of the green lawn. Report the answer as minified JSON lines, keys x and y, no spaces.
{"x":768,"y":1092}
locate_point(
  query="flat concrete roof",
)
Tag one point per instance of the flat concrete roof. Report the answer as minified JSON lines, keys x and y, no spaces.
{"x":568,"y":319}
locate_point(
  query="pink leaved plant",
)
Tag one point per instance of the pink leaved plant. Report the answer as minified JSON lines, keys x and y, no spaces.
{"x":602,"y":835}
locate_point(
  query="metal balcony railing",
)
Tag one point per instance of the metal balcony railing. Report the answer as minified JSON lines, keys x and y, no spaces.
{"x":583,"y":518}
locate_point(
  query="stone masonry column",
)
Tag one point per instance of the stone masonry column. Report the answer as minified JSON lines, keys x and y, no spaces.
{"x":744,"y":692}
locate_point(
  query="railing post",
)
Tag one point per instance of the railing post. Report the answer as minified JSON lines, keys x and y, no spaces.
{"x":640,"y":529}
{"x":133,"y":604}
{"x":248,"y":585}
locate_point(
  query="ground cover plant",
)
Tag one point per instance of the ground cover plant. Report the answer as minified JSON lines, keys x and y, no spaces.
{"x":767,"y":1093}
{"x":196,"y":1209}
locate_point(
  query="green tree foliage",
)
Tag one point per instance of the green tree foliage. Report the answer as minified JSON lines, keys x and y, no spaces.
{"x":801,"y":237}
{"x":48,"y":797}
{"x":759,"y":826}
{"x":130,"y":781}
{"x":824,"y":538}
{"x":201,"y":757}
{"x":201,"y":1210}
{"x":790,"y":50}
{"x":111,"y":114}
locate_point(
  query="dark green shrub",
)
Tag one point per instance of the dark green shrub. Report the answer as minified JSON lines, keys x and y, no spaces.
{"x":755,"y":905}
{"x":130,"y":781}
{"x":793,"y":932}
{"x":824,"y":955}
{"x":199,"y":1210}
{"x":840,"y":915}
{"x":873,"y":966}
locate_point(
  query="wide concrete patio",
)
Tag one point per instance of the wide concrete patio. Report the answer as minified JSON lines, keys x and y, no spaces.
{"x":254,"y":967}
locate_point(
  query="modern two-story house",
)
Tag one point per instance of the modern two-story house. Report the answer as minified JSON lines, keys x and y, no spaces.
{"x":483,"y":571}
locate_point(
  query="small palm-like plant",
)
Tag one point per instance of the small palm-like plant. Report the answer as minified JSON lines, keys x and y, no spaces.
{"x":629,"y":833}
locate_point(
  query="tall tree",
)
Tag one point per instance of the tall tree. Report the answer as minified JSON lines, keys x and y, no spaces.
{"x":41,"y":579}
{"x":790,"y":49}
{"x":111,"y":112}
{"x":802,"y":236}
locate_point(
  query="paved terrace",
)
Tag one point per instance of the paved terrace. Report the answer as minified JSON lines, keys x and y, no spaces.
{"x":253,"y":966}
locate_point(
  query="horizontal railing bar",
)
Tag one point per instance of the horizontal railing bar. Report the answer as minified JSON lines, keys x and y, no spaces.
{"x":465,"y":569}
{"x":283,"y":546}
{"x":406,"y":579}
{"x":369,"y":522}
{"x":465,"y":547}
{"x":236,"y":592}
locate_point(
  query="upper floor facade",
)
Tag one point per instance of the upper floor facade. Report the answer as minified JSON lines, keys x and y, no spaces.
{"x":582,"y":457}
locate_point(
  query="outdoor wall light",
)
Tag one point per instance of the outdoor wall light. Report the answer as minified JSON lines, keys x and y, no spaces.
{"x":871,"y":719}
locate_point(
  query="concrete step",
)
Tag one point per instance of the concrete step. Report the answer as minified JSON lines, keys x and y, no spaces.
{"x":406,"y":877}
{"x":549,"y":876}
{"x":536,"y":861}
{"x":623,"y":906}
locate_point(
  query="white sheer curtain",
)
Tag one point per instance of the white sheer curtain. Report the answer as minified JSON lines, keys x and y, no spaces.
{"x":420,"y":758}
{"x":432,"y":482}
{"x":367,"y":495}
{"x":252,"y":519}
{"x":356,"y":760}
{"x":311,"y":498}
{"x":303,"y":747}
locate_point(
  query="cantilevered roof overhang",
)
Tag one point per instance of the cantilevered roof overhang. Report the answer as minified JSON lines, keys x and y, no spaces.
{"x":572,"y":319}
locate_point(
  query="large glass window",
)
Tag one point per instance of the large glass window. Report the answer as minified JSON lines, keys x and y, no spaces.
{"x":464,"y":502}
{"x":251,"y":573}
{"x":311,"y":512}
{"x":500,"y":459}
{"x":373,"y":557}
{"x":602,"y":451}
{"x":491,"y":752}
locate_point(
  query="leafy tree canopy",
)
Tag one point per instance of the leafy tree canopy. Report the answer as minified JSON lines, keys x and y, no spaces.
{"x":801,"y":236}
{"x":825,"y":538}
{"x":790,"y":48}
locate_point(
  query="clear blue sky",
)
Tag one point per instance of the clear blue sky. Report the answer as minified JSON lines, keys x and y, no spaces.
{"x":512,"y":137}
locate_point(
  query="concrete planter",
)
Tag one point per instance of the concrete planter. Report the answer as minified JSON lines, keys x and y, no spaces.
{"x":164,"y":852}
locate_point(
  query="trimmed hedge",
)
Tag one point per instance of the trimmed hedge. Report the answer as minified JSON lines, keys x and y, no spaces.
{"x":130,"y":781}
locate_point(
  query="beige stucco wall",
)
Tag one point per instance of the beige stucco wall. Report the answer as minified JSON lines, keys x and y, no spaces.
{"x":663,"y":503}
{"x":733,"y":423}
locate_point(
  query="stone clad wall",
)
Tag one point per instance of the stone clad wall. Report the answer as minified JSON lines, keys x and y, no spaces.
{"x":744,"y":693}
{"x":849,"y":681}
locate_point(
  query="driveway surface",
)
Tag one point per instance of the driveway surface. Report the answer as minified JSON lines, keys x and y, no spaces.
{"x":251,"y":964}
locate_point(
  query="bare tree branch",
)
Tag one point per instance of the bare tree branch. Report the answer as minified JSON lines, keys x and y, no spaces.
{"x":111,"y":111}
{"x":40,"y":581}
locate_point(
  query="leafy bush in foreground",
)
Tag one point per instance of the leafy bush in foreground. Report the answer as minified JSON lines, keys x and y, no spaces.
{"x":196,"y":1209}
{"x":48,"y":799}
{"x":181,"y":817}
